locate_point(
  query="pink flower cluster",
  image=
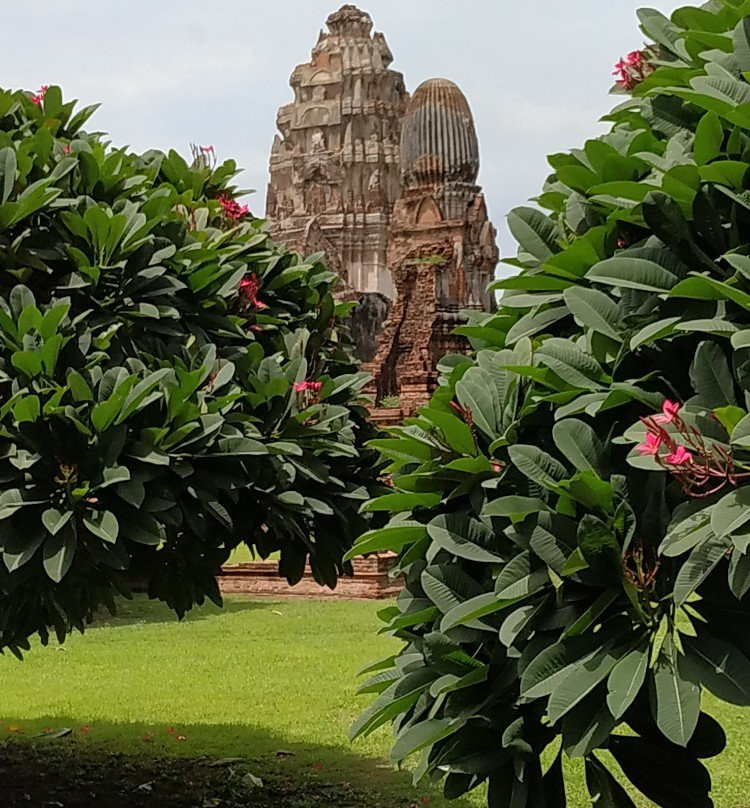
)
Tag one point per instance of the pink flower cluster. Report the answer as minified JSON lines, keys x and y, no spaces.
{"x":249,"y":288}
{"x":703,"y":468}
{"x":305,"y":387}
{"x":677,"y":455}
{"x":39,"y":97}
{"x":231,"y":208}
{"x":632,"y":70}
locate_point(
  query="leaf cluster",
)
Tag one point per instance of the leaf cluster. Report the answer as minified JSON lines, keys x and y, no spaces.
{"x":149,"y":351}
{"x":561,"y":593}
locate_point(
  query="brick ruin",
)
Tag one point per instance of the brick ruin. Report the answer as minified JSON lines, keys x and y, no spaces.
{"x":385,"y":185}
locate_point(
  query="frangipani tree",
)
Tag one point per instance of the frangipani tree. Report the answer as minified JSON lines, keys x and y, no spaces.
{"x":172,"y":383}
{"x":571,"y":508}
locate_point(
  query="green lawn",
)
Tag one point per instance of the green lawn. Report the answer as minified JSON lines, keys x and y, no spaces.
{"x":244,"y":555}
{"x":253,"y":680}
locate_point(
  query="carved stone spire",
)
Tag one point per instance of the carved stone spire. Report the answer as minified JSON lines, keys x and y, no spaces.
{"x":338,"y":157}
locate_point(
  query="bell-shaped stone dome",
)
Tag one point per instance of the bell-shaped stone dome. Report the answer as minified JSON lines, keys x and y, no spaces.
{"x":438,"y":140}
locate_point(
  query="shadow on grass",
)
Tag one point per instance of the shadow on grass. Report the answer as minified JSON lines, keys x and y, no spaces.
{"x":175,"y":764}
{"x":141,"y":610}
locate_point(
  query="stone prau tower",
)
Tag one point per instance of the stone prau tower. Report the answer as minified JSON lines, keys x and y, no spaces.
{"x":386,"y":187}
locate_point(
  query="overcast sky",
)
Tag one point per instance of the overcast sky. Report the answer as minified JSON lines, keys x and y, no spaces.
{"x":167,"y":72}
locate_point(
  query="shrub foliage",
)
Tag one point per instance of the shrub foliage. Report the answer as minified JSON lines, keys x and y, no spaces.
{"x":173,"y":383}
{"x":571,"y":508}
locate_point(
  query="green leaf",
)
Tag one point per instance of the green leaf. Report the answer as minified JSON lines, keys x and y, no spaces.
{"x":79,"y":387}
{"x":571,"y":363}
{"x":534,"y":231}
{"x":140,"y":528}
{"x":456,"y":432}
{"x":741,"y":42}
{"x":55,"y":520}
{"x":709,"y":137}
{"x":424,"y":734}
{"x":58,"y":553}
{"x":533,"y":323}
{"x":514,"y":507}
{"x":626,"y":680}
{"x":600,"y":548}
{"x":687,"y":534}
{"x":591,"y":617}
{"x":401,"y":502}
{"x":720,"y":667}
{"x":594,"y":309}
{"x":711,"y":377}
{"x":7,"y":173}
{"x":473,"y":609}
{"x":702,"y":561}
{"x":653,"y":332}
{"x":20,"y":549}
{"x":520,"y":577}
{"x":583,"y":677}
{"x":103,"y":524}
{"x":633,"y":273}
{"x":676,"y":702}
{"x":477,"y":393}
{"x":27,"y":409}
{"x":114,"y":475}
{"x":537,"y":465}
{"x":739,"y":574}
{"x":731,"y":513}
{"x":465,"y":537}
{"x":394,"y":537}
{"x":659,"y":28}
{"x":578,"y":442}
{"x":446,"y":585}
{"x":553,"y":664}
{"x":729,"y":417}
{"x":740,"y":435}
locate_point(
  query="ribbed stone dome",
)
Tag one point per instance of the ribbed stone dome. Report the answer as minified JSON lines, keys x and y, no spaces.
{"x":438,"y":140}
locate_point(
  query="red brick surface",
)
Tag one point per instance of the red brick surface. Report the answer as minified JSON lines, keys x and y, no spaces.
{"x":371,"y":581}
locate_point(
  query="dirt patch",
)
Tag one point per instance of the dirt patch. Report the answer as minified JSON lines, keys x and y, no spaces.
{"x":42,"y":776}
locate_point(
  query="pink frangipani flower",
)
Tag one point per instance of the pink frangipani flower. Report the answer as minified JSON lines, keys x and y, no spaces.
{"x":39,"y":97}
{"x":650,"y":446}
{"x":302,"y":387}
{"x":249,"y":288}
{"x":679,"y":457}
{"x":231,"y":208}
{"x":669,"y":412}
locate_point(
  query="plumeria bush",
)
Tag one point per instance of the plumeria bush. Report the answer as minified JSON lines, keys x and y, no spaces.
{"x":572,"y":509}
{"x":173,"y":383}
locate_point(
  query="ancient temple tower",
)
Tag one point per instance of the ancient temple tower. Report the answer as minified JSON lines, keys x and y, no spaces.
{"x":443,"y":247}
{"x":387,"y":187}
{"x":335,"y":165}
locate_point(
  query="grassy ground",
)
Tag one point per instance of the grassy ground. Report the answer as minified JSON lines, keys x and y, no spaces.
{"x":272,"y":682}
{"x":244,"y":555}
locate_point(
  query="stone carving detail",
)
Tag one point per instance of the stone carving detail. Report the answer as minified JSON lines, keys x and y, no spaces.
{"x":387,"y":187}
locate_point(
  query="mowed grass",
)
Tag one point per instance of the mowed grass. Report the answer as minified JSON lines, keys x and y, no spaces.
{"x":244,"y":555}
{"x":253,"y":680}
